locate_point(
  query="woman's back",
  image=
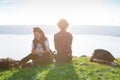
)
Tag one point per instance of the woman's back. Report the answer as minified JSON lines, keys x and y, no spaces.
{"x":63,"y":42}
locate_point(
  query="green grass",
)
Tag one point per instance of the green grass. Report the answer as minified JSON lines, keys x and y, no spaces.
{"x":78,"y":69}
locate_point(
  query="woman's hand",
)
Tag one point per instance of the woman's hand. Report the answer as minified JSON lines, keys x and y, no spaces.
{"x":35,"y":51}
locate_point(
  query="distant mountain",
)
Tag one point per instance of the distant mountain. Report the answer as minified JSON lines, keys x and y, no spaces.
{"x":25,"y":29}
{"x":51,"y":29}
{"x":15,"y":29}
{"x":96,"y":30}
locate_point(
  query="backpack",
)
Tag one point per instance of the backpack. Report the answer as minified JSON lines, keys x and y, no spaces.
{"x":102,"y":56}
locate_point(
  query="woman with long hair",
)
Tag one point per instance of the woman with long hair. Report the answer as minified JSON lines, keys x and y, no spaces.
{"x":40,"y":49}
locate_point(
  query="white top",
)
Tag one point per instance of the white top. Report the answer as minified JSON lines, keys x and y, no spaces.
{"x":39,"y":46}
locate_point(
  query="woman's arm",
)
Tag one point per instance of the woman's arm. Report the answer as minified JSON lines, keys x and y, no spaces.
{"x":39,"y":51}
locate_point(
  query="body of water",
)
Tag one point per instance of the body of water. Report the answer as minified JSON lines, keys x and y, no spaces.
{"x":18,"y":46}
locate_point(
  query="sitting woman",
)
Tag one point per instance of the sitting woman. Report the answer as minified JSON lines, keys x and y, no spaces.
{"x":63,"y":42}
{"x":40,"y":53}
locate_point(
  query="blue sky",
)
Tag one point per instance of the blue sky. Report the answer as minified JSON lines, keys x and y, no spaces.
{"x":77,"y":12}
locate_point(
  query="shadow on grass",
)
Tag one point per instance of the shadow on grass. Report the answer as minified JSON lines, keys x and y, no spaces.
{"x":2,"y":70}
{"x":28,"y":73}
{"x":46,"y":72}
{"x":61,"y":72}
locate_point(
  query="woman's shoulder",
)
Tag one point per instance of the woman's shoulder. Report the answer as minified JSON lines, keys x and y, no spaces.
{"x":62,"y":33}
{"x":58,"y":34}
{"x":68,"y":33}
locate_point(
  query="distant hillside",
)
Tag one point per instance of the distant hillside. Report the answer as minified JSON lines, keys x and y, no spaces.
{"x":51,"y":29}
{"x":25,"y":29}
{"x":15,"y":29}
{"x":96,"y":30}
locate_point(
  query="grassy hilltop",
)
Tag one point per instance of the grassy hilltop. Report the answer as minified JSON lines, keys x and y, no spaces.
{"x":78,"y":69}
